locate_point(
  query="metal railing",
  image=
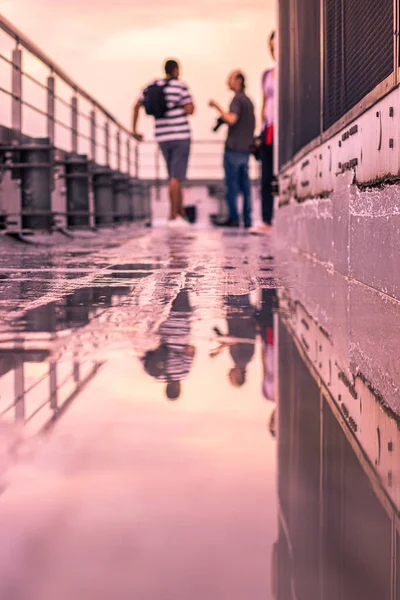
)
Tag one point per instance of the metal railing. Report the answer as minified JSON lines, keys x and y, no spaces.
{"x":39,"y":99}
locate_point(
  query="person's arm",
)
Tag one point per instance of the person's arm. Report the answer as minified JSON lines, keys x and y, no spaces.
{"x":189,"y":108}
{"x":187,"y":101}
{"x":264,"y":106}
{"x":229,"y":117}
{"x":135,"y":119}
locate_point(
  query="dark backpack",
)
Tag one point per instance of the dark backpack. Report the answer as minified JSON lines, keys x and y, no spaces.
{"x":154,"y":100}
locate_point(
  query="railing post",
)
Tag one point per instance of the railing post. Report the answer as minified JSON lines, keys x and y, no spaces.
{"x":118,"y":139}
{"x":16,"y":88}
{"x":53,"y":385}
{"x":74,"y":124}
{"x":19,"y":392}
{"x":128,"y":156}
{"x":107,"y":142}
{"x":137,"y":160}
{"x":93,"y":147}
{"x":158,"y":182}
{"x":76,"y":371}
{"x":51,"y":107}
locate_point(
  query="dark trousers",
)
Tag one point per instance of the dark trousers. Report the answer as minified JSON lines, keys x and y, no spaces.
{"x":237,"y":179}
{"x":267,"y":176}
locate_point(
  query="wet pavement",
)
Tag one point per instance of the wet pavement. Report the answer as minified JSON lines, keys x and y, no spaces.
{"x":199,"y":414}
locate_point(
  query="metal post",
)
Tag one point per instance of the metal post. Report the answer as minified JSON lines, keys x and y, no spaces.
{"x":93,"y":135}
{"x":107,"y":142}
{"x":51,"y":107}
{"x":77,"y":178}
{"x":16,"y":88}
{"x":53,"y":385}
{"x":36,"y":182}
{"x":157,"y":166}
{"x":128,"y":156}
{"x":103,"y":196}
{"x":118,"y":136}
{"x":76,"y":371}
{"x":122,"y":198}
{"x":19,"y":392}
{"x":74,"y":124}
{"x":137,"y":160}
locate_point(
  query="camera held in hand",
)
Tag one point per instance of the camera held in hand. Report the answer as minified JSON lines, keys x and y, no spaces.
{"x":218,"y":124}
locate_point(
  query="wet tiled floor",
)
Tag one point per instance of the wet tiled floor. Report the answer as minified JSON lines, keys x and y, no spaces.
{"x":197,"y":415}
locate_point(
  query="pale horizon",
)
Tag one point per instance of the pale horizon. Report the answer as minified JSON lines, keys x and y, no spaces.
{"x":113,"y":50}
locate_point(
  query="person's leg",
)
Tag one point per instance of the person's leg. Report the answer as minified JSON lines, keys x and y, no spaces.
{"x":182,"y":162}
{"x":231,"y":168}
{"x":245,"y":188}
{"x":175,"y":194}
{"x":174,"y":185}
{"x":179,"y":164}
{"x":267,"y":199}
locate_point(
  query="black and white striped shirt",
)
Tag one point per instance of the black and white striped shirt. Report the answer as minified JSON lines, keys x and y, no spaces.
{"x":174,"y":333}
{"x":175,"y":124}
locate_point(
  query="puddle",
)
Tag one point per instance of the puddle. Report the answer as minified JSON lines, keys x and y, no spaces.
{"x":235,"y":436}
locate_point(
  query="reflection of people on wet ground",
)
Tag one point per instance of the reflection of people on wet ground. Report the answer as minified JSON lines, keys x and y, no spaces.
{"x":265,"y":321}
{"x":240,"y":318}
{"x":172,"y":360}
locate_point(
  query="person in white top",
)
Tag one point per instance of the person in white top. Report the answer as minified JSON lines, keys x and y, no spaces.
{"x":170,"y":104}
{"x":267,"y":143}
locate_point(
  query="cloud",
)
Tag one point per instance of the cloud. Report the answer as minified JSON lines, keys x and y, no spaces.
{"x":99,"y":16}
{"x":178,"y":38}
{"x":113,"y":47}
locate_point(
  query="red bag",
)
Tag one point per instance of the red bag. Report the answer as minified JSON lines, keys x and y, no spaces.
{"x":269,"y":135}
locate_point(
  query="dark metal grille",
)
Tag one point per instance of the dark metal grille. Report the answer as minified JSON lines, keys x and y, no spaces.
{"x":300,"y":87}
{"x":358,"y":52}
{"x":307,"y":100}
{"x":358,"y":47}
{"x":334,"y":59}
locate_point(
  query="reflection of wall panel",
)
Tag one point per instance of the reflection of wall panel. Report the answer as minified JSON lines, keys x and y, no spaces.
{"x":354,"y":567}
{"x":335,"y":516}
{"x":283,"y":567}
{"x":299,"y":436}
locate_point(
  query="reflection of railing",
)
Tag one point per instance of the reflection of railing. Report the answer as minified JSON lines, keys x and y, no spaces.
{"x":40,"y":390}
{"x":40,"y":370}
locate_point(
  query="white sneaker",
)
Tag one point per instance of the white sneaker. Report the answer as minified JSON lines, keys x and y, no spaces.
{"x":173,"y":223}
{"x":179,"y":223}
{"x":262,"y":229}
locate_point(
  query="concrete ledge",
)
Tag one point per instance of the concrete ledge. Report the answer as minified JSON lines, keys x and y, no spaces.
{"x":355,"y":231}
{"x":362,"y":324}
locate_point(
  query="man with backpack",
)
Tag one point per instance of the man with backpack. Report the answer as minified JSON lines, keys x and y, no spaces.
{"x":169,"y":101}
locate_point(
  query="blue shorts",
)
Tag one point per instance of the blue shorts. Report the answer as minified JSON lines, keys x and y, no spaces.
{"x":176,"y":154}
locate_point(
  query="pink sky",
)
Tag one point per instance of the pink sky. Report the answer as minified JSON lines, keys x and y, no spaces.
{"x":114,"y":47}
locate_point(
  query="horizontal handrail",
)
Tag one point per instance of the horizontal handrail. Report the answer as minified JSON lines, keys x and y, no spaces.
{"x":103,"y":138}
{"x":25,"y":42}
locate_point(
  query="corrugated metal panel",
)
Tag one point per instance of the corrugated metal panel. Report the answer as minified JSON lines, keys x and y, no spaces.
{"x":300,"y":95}
{"x":307,"y":81}
{"x":285,"y":84}
{"x":368,"y":46}
{"x":358,"y":55}
{"x":333,"y":67}
{"x":358,"y":52}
